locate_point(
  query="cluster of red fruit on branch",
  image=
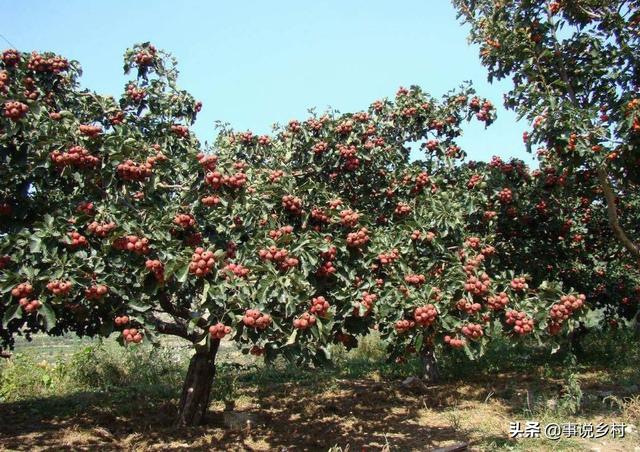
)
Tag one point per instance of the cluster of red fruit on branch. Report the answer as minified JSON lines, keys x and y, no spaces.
{"x":90,"y":130}
{"x":96,"y":292}
{"x":564,"y":309}
{"x":156,"y":267}
{"x":145,"y":57}
{"x":404,"y":325}
{"x":180,"y":130}
{"x":40,"y":63}
{"x":389,"y":258}
{"x":417,"y":235}
{"x":522,"y":323}
{"x":498,"y":301}
{"x":59,"y":288}
{"x":326,"y":267}
{"x":472,"y":263}
{"x":425,"y":315}
{"x":29,"y":306}
{"x":116,"y":118}
{"x":132,"y":243}
{"x":10,"y":57}
{"x":319,"y":306}
{"x":208,"y":162}
{"x":474,"y":180}
{"x":276,"y":175}
{"x":202,"y":262}
{"x":519,"y":284}
{"x":422,"y":180}
{"x":77,"y":157}
{"x":278,"y":256}
{"x":22,"y":290}
{"x":211,"y":201}
{"x":132,"y":335}
{"x":454,"y":341}
{"x":77,"y":240}
{"x":320,"y":148}
{"x":349,"y":218}
{"x":132,"y":171}
{"x":472,"y":242}
{"x":472,"y":330}
{"x":101,"y":229}
{"x":367,"y":301}
{"x":184,"y":220}
{"x":305,"y":321}
{"x":554,"y":7}
{"x":121,"y":320}
{"x":275,"y":234}
{"x":358,"y":239}
{"x":468,"y":306}
{"x":505,"y":196}
{"x":15,"y":110}
{"x":135,"y":94}
{"x":292,"y":204}
{"x":236,"y":270}
{"x":415,"y":280}
{"x":256,"y":319}
{"x":219,"y":330}
{"x":216,"y":180}
{"x":482,"y":109}
{"x":478,"y":286}
{"x":4,"y":81}
{"x":402,"y":209}
{"x":319,"y":216}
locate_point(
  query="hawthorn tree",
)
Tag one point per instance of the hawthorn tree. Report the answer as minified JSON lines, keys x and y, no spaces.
{"x":575,"y":72}
{"x":115,"y":220}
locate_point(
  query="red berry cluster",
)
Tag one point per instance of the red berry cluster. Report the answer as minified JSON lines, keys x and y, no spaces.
{"x":554,"y":7}
{"x":422,"y":180}
{"x":210,"y":201}
{"x":344,"y":127}
{"x":85,"y":207}
{"x":202,"y":262}
{"x":4,"y":81}
{"x":305,"y":321}
{"x":256,"y":350}
{"x":77,"y":157}
{"x":320,"y":216}
{"x":319,"y":306}
{"x":472,"y":263}
{"x":15,"y":110}
{"x":132,"y":335}
{"x":101,"y":229}
{"x":415,"y":280}
{"x":145,"y":57}
{"x":29,"y":306}
{"x":275,"y":176}
{"x":39,"y":63}
{"x":59,"y":287}
{"x":474,"y":180}
{"x":389,"y":258}
{"x":505,"y":196}
{"x":208,"y":162}
{"x":136,"y":94}
{"x":320,"y":148}
{"x":22,"y":290}
{"x":236,"y":270}
{"x":522,"y":323}
{"x":498,"y":302}
{"x":132,"y":243}
{"x":327,"y":268}
{"x":219,"y":330}
{"x":519,"y":284}
{"x":467,"y":306}
{"x":425,"y":315}
{"x":156,"y":267}
{"x":256,"y":319}
{"x":367,"y":300}
{"x":96,"y":292}
{"x":279,"y":256}
{"x":121,"y":320}
{"x":180,"y":130}
{"x":217,"y":180}
{"x":454,"y":342}
{"x":292,"y":204}
{"x":184,"y":220}
{"x":10,"y":57}
{"x":402,"y":209}
{"x":275,"y":234}
{"x":76,"y":240}
{"x":132,"y":171}
{"x":349,"y":218}
{"x":403,"y":326}
{"x":478,"y":286}
{"x":472,"y":330}
{"x":264,"y":140}
{"x":358,"y":239}
{"x":90,"y":130}
{"x":116,"y":118}
{"x":567,"y":305}
{"x":472,"y":242}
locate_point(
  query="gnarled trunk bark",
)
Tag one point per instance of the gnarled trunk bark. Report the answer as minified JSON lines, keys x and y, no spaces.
{"x":429,"y":363}
{"x":196,"y":390}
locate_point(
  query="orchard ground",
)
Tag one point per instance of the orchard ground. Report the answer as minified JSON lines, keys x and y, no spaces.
{"x":84,"y":395}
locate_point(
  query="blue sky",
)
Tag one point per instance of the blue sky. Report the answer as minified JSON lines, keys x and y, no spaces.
{"x":253,"y":63}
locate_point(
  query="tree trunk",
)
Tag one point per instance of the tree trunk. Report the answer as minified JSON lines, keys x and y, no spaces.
{"x":575,"y":338}
{"x":429,"y":363}
{"x":196,"y":390}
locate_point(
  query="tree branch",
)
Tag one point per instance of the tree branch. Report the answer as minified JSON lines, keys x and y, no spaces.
{"x":5,"y":354}
{"x":172,"y":329}
{"x":175,"y":311}
{"x":612,"y":214}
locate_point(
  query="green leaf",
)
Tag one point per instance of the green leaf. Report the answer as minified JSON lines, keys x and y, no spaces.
{"x":48,"y":315}
{"x":10,"y":314}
